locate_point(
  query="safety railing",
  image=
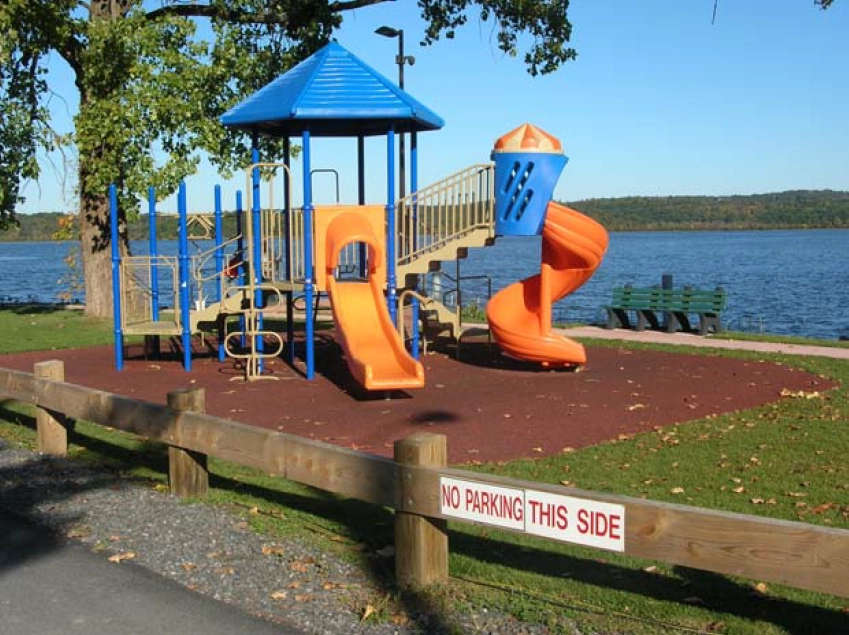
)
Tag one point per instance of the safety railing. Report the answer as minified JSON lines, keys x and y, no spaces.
{"x":433,"y":217}
{"x":205,"y":274}
{"x":145,"y":281}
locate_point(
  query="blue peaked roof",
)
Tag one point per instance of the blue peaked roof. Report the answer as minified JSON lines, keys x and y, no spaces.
{"x":332,"y":94}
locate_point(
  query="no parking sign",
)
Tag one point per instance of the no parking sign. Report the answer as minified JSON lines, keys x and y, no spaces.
{"x":565,"y":518}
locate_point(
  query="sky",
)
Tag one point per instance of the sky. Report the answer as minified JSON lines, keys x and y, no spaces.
{"x":661,"y":101}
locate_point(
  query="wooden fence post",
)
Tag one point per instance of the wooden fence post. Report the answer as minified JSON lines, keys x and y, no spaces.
{"x":52,"y":433}
{"x":187,"y":470}
{"x":421,"y":543}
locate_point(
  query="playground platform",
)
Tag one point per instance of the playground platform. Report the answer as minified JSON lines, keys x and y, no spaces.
{"x":490,"y":407}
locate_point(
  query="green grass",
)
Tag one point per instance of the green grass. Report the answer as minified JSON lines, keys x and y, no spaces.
{"x":35,"y":327}
{"x":783,"y":339}
{"x":788,"y":457}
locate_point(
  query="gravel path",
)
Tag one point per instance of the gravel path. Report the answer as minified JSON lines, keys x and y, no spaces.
{"x":214,"y":552}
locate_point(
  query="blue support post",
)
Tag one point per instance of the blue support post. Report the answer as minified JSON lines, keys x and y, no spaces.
{"x":390,"y":224}
{"x":414,"y":187}
{"x":219,"y":262}
{"x":361,"y":197}
{"x":185,"y":299}
{"x":116,"y":278}
{"x":256,"y":220}
{"x":287,"y":220}
{"x":154,"y":267}
{"x":240,"y":250}
{"x":308,"y":256}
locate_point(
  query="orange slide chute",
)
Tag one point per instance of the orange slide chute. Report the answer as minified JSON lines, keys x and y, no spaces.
{"x":519,"y":316}
{"x":375,"y":353}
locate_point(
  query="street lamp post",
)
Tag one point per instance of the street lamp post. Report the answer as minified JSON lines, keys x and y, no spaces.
{"x":401,"y":60}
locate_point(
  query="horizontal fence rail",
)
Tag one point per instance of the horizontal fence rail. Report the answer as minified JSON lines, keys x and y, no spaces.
{"x":425,"y":493}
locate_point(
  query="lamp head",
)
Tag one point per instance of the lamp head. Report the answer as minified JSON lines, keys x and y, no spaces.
{"x":387,"y":31}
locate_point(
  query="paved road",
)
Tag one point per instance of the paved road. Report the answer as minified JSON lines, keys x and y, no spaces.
{"x":688,"y":339}
{"x":50,"y":587}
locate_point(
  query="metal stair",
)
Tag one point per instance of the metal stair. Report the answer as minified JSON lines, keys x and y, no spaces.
{"x":442,"y":221}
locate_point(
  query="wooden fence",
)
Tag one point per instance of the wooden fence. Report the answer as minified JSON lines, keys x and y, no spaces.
{"x":425,"y":493}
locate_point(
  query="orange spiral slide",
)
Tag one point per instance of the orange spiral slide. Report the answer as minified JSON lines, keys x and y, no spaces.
{"x":519,"y":316}
{"x":373,"y":349}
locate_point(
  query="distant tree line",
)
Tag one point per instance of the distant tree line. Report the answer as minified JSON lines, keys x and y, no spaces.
{"x":798,"y":209}
{"x":46,"y":226}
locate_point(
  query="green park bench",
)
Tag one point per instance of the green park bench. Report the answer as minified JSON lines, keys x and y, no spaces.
{"x":666,"y":309}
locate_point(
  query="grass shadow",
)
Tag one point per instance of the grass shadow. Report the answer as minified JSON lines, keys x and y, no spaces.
{"x":709,"y":591}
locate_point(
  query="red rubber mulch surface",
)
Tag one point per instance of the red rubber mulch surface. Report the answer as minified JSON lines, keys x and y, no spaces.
{"x":490,"y":408}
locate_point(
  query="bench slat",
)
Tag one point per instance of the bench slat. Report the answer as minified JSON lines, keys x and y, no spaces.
{"x":707,"y":304}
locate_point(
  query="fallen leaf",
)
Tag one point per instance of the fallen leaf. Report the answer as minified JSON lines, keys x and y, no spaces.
{"x":189,"y":566}
{"x":757,"y":501}
{"x":120,"y":557}
{"x":279,"y":595}
{"x":303,"y":598}
{"x":537,"y":449}
{"x":676,"y":490}
{"x":819,"y":509}
{"x":636,"y":406}
{"x":368,"y":611}
{"x":739,"y":490}
{"x":272,"y":550}
{"x":650,"y":569}
{"x":761,"y":588}
{"x":79,"y":532}
{"x":399,"y":619}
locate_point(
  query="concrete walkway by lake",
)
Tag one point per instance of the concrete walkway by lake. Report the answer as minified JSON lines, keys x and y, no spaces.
{"x":712,"y":341}
{"x":53,"y":586}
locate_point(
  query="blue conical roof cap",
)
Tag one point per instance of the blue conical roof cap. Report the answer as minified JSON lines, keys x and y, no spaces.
{"x":333,"y":93}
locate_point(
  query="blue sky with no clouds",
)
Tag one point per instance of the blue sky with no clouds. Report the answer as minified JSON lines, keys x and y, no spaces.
{"x":659,"y":102}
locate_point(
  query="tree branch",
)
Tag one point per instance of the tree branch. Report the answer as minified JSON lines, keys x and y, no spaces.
{"x":350,"y":5}
{"x":246,"y":17}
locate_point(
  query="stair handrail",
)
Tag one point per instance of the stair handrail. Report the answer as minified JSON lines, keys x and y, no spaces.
{"x":432,"y":217}
{"x":408,"y":293}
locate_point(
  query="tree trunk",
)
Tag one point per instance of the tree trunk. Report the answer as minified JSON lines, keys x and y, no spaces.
{"x":96,"y":248}
{"x":96,"y":253}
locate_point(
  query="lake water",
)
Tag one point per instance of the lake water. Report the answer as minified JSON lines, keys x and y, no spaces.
{"x":793,"y":282}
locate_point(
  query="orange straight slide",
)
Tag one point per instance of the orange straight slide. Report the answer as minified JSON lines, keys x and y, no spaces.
{"x":375,"y":353}
{"x":519,"y":316}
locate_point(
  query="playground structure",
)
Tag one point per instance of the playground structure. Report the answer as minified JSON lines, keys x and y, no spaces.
{"x":368,"y":259}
